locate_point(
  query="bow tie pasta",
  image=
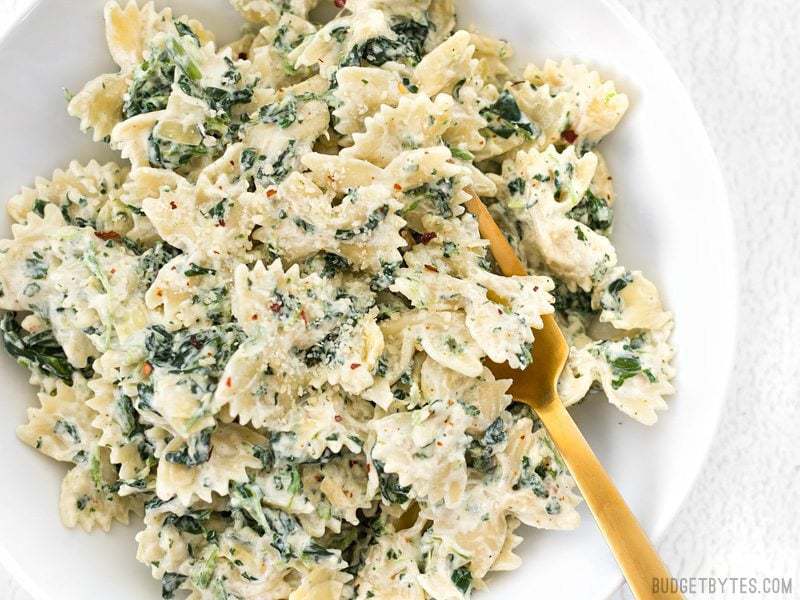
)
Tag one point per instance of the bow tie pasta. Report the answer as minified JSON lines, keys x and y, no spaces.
{"x":267,"y":329}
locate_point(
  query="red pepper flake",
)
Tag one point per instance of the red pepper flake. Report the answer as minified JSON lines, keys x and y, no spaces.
{"x":147,"y":368}
{"x":569,"y":136}
{"x":221,"y":223}
{"x":427,"y":237}
{"x":172,"y":204}
{"x":431,"y":268}
{"x":271,"y":192}
{"x":195,"y":342}
{"x":275,"y":307}
{"x":440,"y":444}
{"x":398,"y":187}
{"x":339,"y":3}
{"x":303,"y":316}
{"x":113,"y":270}
{"x":242,"y":56}
{"x":338,"y":418}
{"x":229,"y":382}
{"x":254,"y":318}
{"x":355,"y":365}
{"x":107,"y":235}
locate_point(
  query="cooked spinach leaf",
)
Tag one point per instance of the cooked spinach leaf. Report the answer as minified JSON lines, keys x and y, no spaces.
{"x":282,"y":113}
{"x":167,"y":154}
{"x":324,"y":351}
{"x":570,"y":302}
{"x":462,"y":579}
{"x":247,"y":497}
{"x":36,"y":266}
{"x":624,"y":366}
{"x":391,"y":490}
{"x":480,"y":452}
{"x":381,"y":281}
{"x":532,"y":478}
{"x":334,"y":263}
{"x":151,"y":85}
{"x":196,"y":450}
{"x":407,"y":48}
{"x":184,"y":29}
{"x":256,"y":168}
{"x":505,"y":119}
{"x":170,"y":583}
{"x":195,"y":269}
{"x":516,"y":186}
{"x":593,"y":212}
{"x":192,"y":522}
{"x":38,"y":350}
{"x":375,"y":218}
{"x":182,"y":351}
{"x":438,"y":193}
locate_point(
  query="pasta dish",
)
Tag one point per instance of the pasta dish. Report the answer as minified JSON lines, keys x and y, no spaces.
{"x":264,"y":328}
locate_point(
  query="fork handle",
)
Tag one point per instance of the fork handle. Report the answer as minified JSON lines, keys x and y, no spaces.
{"x":646,"y":575}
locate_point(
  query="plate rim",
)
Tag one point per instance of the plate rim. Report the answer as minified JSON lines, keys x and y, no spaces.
{"x":726,"y":233}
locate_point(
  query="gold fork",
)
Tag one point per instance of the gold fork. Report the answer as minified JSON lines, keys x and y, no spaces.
{"x":536,"y":386}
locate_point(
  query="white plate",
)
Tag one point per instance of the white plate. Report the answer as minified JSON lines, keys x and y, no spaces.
{"x":672,"y":222}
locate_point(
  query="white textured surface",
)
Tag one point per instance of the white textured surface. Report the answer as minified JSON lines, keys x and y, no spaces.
{"x":739,"y":59}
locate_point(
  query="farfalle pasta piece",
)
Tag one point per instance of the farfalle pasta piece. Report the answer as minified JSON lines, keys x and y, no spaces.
{"x":87,"y":287}
{"x":483,"y":398}
{"x":176,"y":379}
{"x":445,"y":65}
{"x":346,"y":486}
{"x":442,"y":335}
{"x":541,"y":189}
{"x":363,"y":227}
{"x":62,"y":426}
{"x":129,"y":32}
{"x":84,"y":194}
{"x":513,"y":489}
{"x":170,"y":529}
{"x":425,"y":448}
{"x":192,"y":291}
{"x":570,"y":103}
{"x":322,"y":422}
{"x":231,"y":457}
{"x":87,"y":499}
{"x":417,"y":122}
{"x":634,"y":372}
{"x":360,"y":93}
{"x":448,"y":276}
{"x":628,"y":300}
{"x":204,"y":222}
{"x":503,"y":331}
{"x":391,"y":568}
{"x":446,"y":574}
{"x":303,"y":332}
{"x":269,"y":54}
{"x":98,"y":104}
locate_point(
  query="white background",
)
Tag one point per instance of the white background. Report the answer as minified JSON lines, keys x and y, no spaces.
{"x":740,"y":60}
